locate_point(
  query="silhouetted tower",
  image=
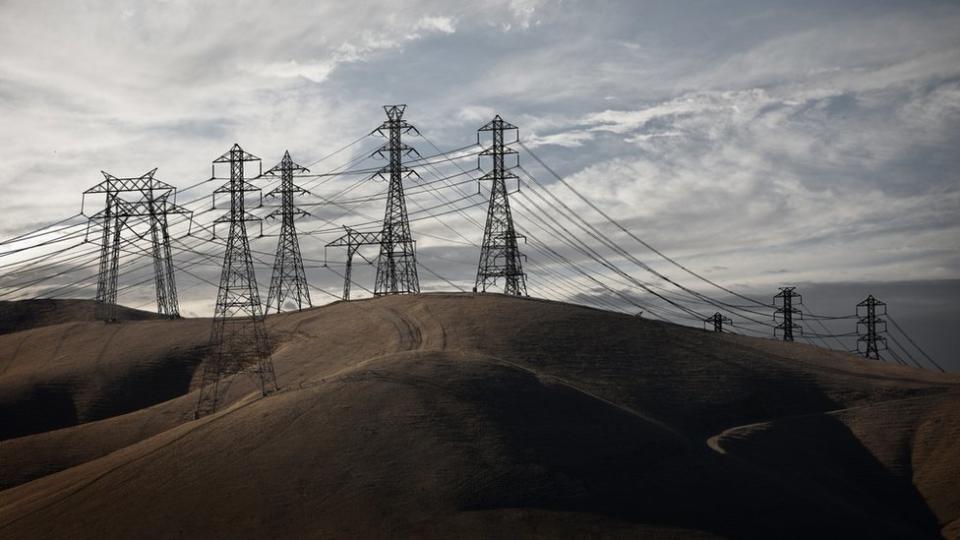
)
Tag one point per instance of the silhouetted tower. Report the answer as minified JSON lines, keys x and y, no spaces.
{"x":289,"y":281}
{"x":353,"y":240}
{"x":870,"y":326}
{"x":717,"y":319}
{"x":785,"y":312}
{"x":500,"y":255}
{"x":397,"y":263}
{"x":151,"y":203}
{"x":238,"y":338}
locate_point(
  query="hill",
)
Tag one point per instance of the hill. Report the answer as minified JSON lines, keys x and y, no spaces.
{"x":457,"y":415}
{"x":26,"y":314}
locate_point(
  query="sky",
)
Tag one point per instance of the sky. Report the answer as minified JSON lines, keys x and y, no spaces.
{"x":762,"y":144}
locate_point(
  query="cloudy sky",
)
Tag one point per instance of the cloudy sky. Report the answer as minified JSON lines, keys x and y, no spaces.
{"x":760,"y":143}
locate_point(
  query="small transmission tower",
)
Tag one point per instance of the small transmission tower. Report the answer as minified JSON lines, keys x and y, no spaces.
{"x":785,"y":312}
{"x":109,"y":267}
{"x":289,"y":279}
{"x":238,"y":338}
{"x":718,"y":320}
{"x":152,"y":204}
{"x":500,"y":255}
{"x":870,"y":326}
{"x":397,"y":263}
{"x":353,"y":240}
{"x":158,"y":208}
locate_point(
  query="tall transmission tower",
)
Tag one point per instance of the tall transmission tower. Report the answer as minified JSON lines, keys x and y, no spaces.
{"x":238,"y":338}
{"x":500,"y":255}
{"x":785,"y":312}
{"x":289,"y":281}
{"x":152,"y":203}
{"x":397,"y":263}
{"x":718,"y":320}
{"x":353,"y":240}
{"x":870,"y":326}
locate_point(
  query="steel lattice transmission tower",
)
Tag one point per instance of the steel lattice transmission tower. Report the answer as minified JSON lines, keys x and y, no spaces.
{"x":397,"y":263}
{"x":289,"y":281}
{"x":717,"y":320}
{"x":108,"y":273}
{"x":159,"y":207}
{"x":785,"y":312}
{"x":238,"y":338}
{"x":500,"y":255}
{"x":870,"y":326}
{"x":152,"y":203}
{"x":353,"y":240}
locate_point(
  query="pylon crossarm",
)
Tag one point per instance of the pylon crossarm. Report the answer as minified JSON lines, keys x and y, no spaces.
{"x":386,"y":173}
{"x":506,"y":151}
{"x":245,"y":185}
{"x":356,"y":238}
{"x":145,"y":182}
{"x":246,"y":216}
{"x":278,"y":169}
{"x":498,"y":123}
{"x":236,"y":154}
{"x":280,"y":190}
{"x":279,"y":213}
{"x":384,"y":151}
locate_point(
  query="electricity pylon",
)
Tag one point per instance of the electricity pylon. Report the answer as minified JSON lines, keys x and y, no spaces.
{"x":397,"y":263}
{"x":870,"y":327}
{"x":238,"y":338}
{"x":717,"y":319}
{"x":151,"y":204}
{"x":158,"y":208}
{"x":785,"y":312}
{"x":500,"y":255}
{"x":353,"y":240}
{"x":289,"y":281}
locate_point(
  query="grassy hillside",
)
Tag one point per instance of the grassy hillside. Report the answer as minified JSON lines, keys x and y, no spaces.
{"x":470,"y":416}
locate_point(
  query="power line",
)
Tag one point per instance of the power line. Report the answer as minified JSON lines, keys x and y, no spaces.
{"x":629,"y":233}
{"x":598,"y":235}
{"x":914,"y":343}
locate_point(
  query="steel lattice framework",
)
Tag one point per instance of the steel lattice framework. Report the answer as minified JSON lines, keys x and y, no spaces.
{"x":500,"y":255}
{"x":152,"y":203}
{"x":238,"y":338}
{"x":717,"y":320}
{"x":353,"y":240}
{"x":289,"y":281}
{"x":397,"y":263}
{"x":870,"y":326}
{"x":785,"y":312}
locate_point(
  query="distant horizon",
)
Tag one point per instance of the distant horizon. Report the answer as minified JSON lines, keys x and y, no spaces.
{"x":908,"y":301}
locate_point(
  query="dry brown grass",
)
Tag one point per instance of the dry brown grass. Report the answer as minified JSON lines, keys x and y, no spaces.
{"x":447,"y":416}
